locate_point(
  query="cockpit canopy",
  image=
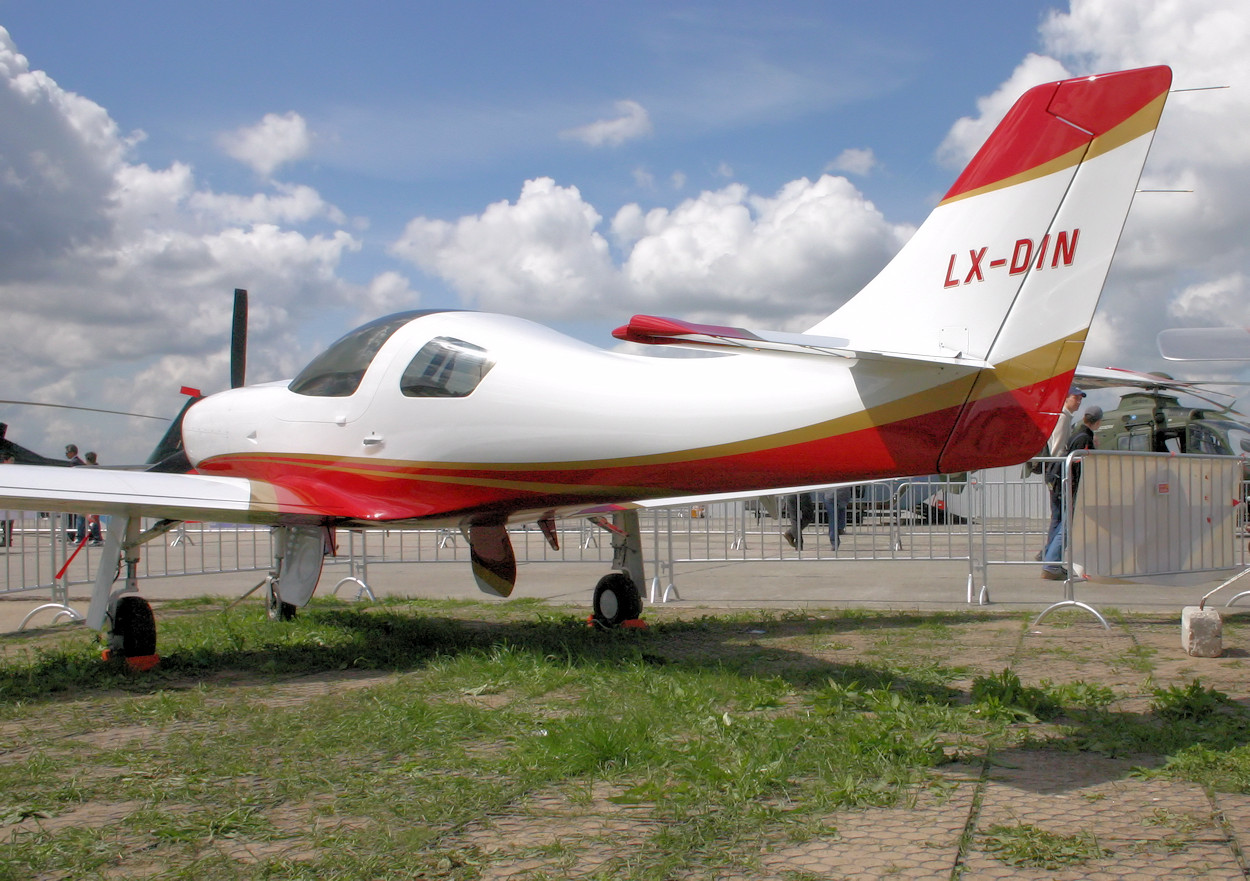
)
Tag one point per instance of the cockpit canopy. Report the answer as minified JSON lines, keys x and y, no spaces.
{"x":444,"y":367}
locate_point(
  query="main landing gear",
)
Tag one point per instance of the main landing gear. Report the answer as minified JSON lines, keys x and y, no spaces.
{"x":298,"y":555}
{"x":132,"y":626}
{"x":618,"y":600}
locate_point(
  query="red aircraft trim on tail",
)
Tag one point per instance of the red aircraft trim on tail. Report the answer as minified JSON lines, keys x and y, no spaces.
{"x":1036,"y":143}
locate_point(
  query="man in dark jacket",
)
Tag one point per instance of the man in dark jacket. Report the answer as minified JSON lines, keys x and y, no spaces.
{"x":1082,"y":439}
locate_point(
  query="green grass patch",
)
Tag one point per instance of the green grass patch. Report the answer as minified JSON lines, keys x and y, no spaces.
{"x":1024,"y":844}
{"x":437,"y":739}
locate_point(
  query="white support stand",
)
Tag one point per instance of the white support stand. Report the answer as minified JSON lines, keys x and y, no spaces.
{"x":358,"y":569}
{"x":669,"y":593}
{"x":61,"y":611}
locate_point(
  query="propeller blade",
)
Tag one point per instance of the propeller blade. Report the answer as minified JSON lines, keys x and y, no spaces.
{"x":238,"y":340}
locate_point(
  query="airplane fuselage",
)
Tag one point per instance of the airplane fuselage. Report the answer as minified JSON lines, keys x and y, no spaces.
{"x":517,"y":439}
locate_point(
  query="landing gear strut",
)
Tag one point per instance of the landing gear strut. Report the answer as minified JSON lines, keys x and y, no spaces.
{"x":132,"y":626}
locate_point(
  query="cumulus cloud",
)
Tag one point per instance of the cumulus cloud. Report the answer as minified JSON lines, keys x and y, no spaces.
{"x":724,"y":255}
{"x":1184,"y":256}
{"x":854,"y":160}
{"x":541,"y":256}
{"x":272,"y":142}
{"x":631,"y":123}
{"x":115,"y":277}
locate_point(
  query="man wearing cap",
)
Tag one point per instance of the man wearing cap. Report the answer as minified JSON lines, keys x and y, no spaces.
{"x":1058,"y":446}
{"x":1082,"y":439}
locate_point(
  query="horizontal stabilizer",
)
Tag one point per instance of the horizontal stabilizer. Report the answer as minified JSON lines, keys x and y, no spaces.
{"x":655,"y":330}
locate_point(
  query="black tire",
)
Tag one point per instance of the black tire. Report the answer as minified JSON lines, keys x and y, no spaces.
{"x":278,"y":610}
{"x":616,"y":600}
{"x":134,"y":627}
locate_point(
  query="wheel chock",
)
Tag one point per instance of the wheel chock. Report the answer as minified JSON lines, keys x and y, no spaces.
{"x":631,"y":624}
{"x":138,"y":663}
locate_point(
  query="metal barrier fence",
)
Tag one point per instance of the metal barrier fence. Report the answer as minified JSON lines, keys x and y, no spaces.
{"x":999,"y":517}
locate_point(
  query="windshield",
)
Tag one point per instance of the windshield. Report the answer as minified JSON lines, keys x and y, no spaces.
{"x":1239,"y":440}
{"x":336,"y":372}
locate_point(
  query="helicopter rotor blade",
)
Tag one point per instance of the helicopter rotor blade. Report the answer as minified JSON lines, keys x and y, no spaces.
{"x":84,"y":409}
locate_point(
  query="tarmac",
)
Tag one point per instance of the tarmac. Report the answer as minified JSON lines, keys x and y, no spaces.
{"x":769,"y":584}
{"x":1151,"y":828}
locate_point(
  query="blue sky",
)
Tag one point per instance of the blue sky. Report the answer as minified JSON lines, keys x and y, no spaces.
{"x":440,"y":109}
{"x":346,"y":160}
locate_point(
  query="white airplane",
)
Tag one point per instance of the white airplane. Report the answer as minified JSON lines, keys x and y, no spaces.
{"x":957,"y":356}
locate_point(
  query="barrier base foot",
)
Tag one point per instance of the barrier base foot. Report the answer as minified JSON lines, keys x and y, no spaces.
{"x":60,"y":611}
{"x":1068,"y":604}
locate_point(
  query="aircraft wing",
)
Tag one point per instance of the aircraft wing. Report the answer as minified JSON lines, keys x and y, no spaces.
{"x":143,"y":493}
{"x":655,"y":330}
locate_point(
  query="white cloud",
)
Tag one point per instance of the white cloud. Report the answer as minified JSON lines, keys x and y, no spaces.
{"x":1219,"y":301}
{"x":791,"y":258}
{"x":727,"y":254}
{"x":541,"y":256}
{"x":274,"y":141}
{"x":633,"y":122}
{"x":1179,"y":250}
{"x":112,"y":270}
{"x":292,"y":204}
{"x":854,"y":160}
{"x":388,"y":292}
{"x":644,"y":179}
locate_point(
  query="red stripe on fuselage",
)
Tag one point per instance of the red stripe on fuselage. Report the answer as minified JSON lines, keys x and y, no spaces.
{"x":362,"y":489}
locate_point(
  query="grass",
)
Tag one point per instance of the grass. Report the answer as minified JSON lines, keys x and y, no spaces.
{"x":440,"y":740}
{"x":1023,"y":844}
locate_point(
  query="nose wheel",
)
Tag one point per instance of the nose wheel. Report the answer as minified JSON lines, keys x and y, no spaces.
{"x":133,"y":634}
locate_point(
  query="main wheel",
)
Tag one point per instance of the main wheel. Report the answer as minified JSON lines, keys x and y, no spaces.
{"x":134,"y":628}
{"x":616,"y":600}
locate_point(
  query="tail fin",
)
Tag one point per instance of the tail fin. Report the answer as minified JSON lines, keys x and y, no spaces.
{"x":1009,"y":267}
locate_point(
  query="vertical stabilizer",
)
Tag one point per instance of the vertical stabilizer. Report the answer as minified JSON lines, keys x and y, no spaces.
{"x":1009,"y":267}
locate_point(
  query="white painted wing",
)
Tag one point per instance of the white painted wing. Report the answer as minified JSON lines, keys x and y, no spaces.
{"x":136,"y":493}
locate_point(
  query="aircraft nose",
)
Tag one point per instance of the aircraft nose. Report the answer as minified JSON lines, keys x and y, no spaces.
{"x":221,"y":423}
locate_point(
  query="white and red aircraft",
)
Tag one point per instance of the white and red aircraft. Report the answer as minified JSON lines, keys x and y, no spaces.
{"x":957,"y":356}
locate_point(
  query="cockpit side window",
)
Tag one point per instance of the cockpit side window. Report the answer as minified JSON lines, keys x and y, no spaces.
{"x":337,"y":372}
{"x":445,"y":368}
{"x":1204,"y":441}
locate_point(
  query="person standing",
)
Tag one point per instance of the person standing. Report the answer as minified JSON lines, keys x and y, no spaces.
{"x":1053,"y":471}
{"x":94,"y":520}
{"x":6,"y":526}
{"x":79,"y":520}
{"x":1082,"y":439}
{"x":836,"y":502}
